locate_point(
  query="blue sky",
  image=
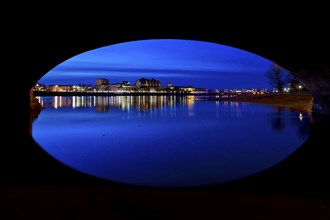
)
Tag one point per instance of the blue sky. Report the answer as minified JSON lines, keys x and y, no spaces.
{"x":181,"y":62}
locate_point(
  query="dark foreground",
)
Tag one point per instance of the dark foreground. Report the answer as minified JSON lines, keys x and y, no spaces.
{"x":34,"y":186}
{"x":59,"y":202}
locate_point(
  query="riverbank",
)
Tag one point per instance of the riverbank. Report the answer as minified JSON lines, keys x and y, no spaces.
{"x":302,"y":101}
{"x":295,"y":101}
{"x":42,"y":93}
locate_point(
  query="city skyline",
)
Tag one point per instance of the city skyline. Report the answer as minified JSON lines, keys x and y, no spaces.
{"x":181,"y":62}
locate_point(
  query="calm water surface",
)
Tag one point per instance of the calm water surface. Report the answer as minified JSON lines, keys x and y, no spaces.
{"x":167,"y":140}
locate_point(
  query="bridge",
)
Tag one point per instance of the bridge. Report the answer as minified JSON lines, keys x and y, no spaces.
{"x":299,"y":44}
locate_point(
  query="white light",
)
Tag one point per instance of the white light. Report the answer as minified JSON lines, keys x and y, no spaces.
{"x":73,"y":101}
{"x":55,"y":101}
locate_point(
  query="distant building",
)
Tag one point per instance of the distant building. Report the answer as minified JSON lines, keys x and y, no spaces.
{"x":185,"y":89}
{"x":81,"y":88}
{"x":148,"y":83}
{"x":125,"y":83}
{"x":101,"y":84}
{"x":112,"y":87}
{"x":123,"y":86}
{"x":214,"y":91}
{"x":39,"y":87}
{"x":126,"y":86}
{"x":201,"y":91}
{"x":101,"y":81}
{"x":59,"y":88}
{"x":169,"y":86}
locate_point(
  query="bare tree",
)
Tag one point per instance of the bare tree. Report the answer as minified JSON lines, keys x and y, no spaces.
{"x":277,"y":77}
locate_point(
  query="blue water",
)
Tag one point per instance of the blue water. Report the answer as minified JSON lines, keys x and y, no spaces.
{"x":167,"y":140}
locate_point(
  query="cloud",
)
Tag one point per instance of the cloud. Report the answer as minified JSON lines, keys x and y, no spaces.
{"x":106,"y":70}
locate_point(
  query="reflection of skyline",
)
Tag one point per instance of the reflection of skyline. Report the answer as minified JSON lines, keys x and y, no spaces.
{"x":125,"y":103}
{"x":172,"y":106}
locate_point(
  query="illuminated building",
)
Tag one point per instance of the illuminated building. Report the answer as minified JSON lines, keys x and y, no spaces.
{"x":148,"y":83}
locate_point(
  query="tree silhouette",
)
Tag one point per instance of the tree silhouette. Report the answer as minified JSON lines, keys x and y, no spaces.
{"x":277,"y":77}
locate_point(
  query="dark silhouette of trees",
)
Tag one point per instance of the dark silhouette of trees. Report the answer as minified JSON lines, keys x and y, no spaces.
{"x":277,"y":77}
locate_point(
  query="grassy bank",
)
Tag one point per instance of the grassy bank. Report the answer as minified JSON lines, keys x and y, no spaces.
{"x":295,"y":101}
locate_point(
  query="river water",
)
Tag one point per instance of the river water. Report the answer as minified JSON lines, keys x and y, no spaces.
{"x":167,"y":141}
